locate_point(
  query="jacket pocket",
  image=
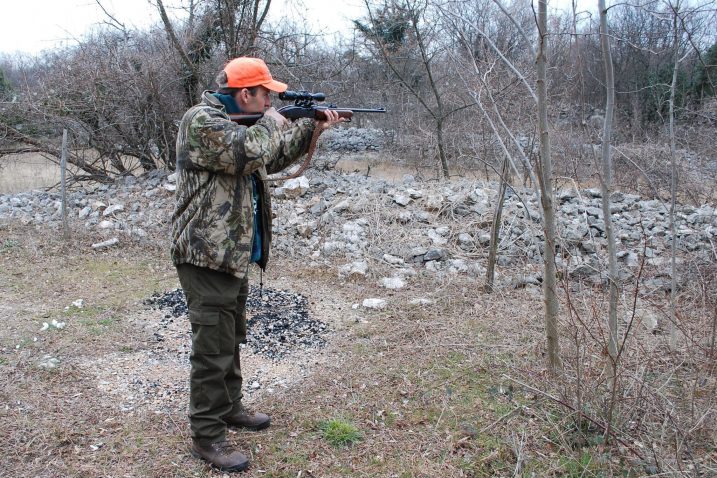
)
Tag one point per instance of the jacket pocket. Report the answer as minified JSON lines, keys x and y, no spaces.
{"x":206,"y":338}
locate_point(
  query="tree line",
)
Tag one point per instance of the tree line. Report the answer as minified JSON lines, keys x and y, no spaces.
{"x":120,"y":92}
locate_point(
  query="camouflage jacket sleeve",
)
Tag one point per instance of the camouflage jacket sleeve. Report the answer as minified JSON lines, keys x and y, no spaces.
{"x":295,"y":143}
{"x":219,"y":145}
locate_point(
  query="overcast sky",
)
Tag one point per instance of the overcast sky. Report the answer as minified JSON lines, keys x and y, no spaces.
{"x":30,"y":26}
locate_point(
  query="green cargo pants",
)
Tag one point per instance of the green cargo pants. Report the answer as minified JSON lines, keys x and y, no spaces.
{"x":217,"y":312}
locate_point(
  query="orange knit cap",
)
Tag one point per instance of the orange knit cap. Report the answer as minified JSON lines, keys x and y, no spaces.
{"x":245,"y":72}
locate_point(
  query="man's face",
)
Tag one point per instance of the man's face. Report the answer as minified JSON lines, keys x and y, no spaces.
{"x":256,"y":103}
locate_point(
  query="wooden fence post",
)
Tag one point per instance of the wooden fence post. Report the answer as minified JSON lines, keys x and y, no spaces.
{"x":63,"y":168}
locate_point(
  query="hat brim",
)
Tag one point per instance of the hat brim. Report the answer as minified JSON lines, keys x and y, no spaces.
{"x":276,"y":86}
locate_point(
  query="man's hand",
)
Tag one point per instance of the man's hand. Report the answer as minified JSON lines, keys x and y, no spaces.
{"x":272,"y":113}
{"x":332,"y":119}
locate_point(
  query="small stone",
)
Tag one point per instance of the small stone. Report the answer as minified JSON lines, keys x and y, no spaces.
{"x":374,"y":303}
{"x":393,"y":260}
{"x":402,"y":200}
{"x":392,"y":283}
{"x":113,"y":209}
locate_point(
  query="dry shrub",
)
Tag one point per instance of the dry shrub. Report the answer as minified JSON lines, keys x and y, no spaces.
{"x":663,"y":407}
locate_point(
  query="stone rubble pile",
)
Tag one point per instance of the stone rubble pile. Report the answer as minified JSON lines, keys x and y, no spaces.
{"x":130,"y":207}
{"x":354,"y":140}
{"x":387,"y":232}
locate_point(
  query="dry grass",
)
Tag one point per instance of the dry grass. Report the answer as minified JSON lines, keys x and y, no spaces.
{"x":24,"y":172}
{"x":455,"y":389}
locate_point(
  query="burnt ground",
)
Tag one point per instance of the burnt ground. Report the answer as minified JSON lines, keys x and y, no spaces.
{"x":279,"y":321}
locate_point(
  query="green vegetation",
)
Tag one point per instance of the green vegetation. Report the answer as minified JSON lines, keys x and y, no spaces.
{"x":339,"y":432}
{"x":8,"y":245}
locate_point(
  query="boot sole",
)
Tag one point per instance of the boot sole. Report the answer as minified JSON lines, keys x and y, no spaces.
{"x":235,"y":468}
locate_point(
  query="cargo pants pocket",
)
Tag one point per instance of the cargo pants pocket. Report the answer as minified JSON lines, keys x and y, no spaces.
{"x":206,"y":336}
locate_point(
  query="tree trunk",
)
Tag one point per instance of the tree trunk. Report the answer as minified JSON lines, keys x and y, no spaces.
{"x":606,"y":187}
{"x":441,"y":149}
{"x":673,"y":182}
{"x":547,"y":199}
{"x":606,"y":179}
{"x":495,"y":228}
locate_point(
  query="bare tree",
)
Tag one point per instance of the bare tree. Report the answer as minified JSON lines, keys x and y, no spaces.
{"x":606,"y":188}
{"x":407,"y":40}
{"x":547,"y":196}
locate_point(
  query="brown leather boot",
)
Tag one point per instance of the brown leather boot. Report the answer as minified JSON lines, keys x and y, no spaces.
{"x":247,"y":419}
{"x":221,"y":455}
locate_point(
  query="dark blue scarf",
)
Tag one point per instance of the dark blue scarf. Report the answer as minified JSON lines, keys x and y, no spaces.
{"x":229,"y":104}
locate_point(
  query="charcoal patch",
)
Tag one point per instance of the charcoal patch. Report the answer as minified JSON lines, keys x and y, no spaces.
{"x":278,"y":320}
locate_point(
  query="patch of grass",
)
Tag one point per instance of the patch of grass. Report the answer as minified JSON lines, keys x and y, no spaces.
{"x":85,"y":313}
{"x":8,"y":245}
{"x":338,"y":432}
{"x":580,"y":466}
{"x":3,"y":361}
{"x":98,"y":325}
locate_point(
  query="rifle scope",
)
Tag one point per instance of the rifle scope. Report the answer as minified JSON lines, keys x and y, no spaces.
{"x":301,"y":96}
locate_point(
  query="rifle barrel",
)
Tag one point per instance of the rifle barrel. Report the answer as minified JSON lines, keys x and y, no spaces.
{"x":365,"y":110}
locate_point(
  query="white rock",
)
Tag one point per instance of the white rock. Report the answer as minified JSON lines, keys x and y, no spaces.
{"x":296,"y":187}
{"x":48,"y":361}
{"x":421,"y":301}
{"x":105,"y":244}
{"x":352,"y":228}
{"x":106,"y":225}
{"x":402,"y":200}
{"x":405,"y":217}
{"x":434,"y":202}
{"x":79,"y":303}
{"x":113,"y":209}
{"x":170,"y":187}
{"x":374,"y":303}
{"x":45,"y":326}
{"x":305,"y":230}
{"x":414,"y":194}
{"x":85,"y":212}
{"x":393,"y":260}
{"x":354,"y":270}
{"x":392,"y":283}
{"x":342,"y":206}
{"x":437,"y":238}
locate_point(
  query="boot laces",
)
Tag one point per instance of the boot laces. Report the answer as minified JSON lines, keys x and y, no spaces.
{"x":223,"y":447}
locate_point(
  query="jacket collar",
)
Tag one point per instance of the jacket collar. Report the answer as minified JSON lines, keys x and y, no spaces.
{"x":209,"y":99}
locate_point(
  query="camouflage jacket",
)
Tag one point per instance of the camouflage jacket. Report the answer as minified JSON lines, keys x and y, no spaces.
{"x":213,"y":220}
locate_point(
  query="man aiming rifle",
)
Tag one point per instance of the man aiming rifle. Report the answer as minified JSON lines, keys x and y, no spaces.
{"x":222,"y":224}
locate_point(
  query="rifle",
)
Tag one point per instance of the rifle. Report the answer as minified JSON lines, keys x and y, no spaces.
{"x":304,"y":107}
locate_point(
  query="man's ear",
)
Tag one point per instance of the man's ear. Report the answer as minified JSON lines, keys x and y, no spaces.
{"x":241,"y":95}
